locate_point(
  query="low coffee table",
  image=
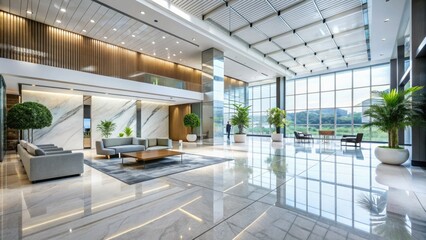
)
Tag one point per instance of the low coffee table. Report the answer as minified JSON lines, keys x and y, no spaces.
{"x":152,"y":155}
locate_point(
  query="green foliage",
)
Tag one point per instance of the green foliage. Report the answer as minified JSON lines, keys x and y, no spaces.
{"x":128,"y":131}
{"x":191,"y":120}
{"x":106,"y":128}
{"x":276,"y":117}
{"x":241,"y":117}
{"x":396,"y":110}
{"x":29,"y":115}
{"x":121,"y":134}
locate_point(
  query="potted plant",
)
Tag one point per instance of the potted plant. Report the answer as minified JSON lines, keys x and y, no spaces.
{"x":394,"y":111}
{"x":240,"y":119}
{"x":29,"y":116}
{"x":128,"y":131}
{"x":106,"y":128}
{"x":276,"y":117}
{"x":192,"y":121}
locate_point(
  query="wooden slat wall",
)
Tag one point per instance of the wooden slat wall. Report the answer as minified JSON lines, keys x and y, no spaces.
{"x":12,"y":135}
{"x":26,"y":40}
{"x":177,"y":131}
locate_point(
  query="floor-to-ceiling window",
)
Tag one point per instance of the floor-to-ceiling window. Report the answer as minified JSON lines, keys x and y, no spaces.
{"x":261,"y":98}
{"x":336,"y":101}
{"x":235,"y":93}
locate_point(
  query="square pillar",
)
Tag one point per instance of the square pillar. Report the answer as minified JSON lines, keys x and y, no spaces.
{"x":213,"y":90}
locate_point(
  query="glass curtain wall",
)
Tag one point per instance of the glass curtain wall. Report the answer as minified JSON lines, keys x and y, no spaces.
{"x":261,"y":98}
{"x":235,"y":93}
{"x":336,"y":101}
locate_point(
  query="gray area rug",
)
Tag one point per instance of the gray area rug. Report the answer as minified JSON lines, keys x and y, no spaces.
{"x":134,"y":172}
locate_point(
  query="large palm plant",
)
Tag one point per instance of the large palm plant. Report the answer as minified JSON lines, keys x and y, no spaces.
{"x":395,"y":110}
{"x":241,"y":117}
{"x":106,"y":128}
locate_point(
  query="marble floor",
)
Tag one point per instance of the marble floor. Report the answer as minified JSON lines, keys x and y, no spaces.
{"x":270,"y":191}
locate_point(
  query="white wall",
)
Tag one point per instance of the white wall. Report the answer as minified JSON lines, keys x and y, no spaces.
{"x":121,"y":111}
{"x":155,"y":120}
{"x":67,"y":126}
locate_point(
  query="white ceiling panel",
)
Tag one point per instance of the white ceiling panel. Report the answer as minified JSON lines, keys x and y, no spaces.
{"x":302,"y":15}
{"x":283,"y":4}
{"x":299,"y":69}
{"x":250,"y":35}
{"x":350,"y":38}
{"x":299,"y":51}
{"x":329,"y":8}
{"x":322,"y":45}
{"x":333,"y":63}
{"x":311,"y":59}
{"x":357,"y":58}
{"x":280,"y":56}
{"x":266,"y":47}
{"x":273,"y":27}
{"x":330,"y":54}
{"x":228,"y":19}
{"x":252,"y":10}
{"x":197,"y":8}
{"x":347,"y":22}
{"x":354,"y":49}
{"x":315,"y":65}
{"x":290,"y":63}
{"x":319,"y":30}
{"x":288,"y":40}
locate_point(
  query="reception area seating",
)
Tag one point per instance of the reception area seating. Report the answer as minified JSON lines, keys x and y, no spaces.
{"x":49,"y":161}
{"x":355,"y":140}
{"x":300,"y":136}
{"x":114,"y":146}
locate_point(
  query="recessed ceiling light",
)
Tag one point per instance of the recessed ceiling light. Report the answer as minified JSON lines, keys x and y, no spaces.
{"x":58,"y":21}
{"x":164,"y":37}
{"x":167,"y":48}
{"x":133,"y":35}
{"x":92,"y":21}
{"x":180,"y":59}
{"x":193,"y":39}
{"x":153,"y":42}
{"x":84,"y":30}
{"x":122,"y":43}
{"x":177,"y":42}
{"x":63,"y":10}
{"x":142,"y":12}
{"x":180,"y":51}
{"x":154,"y":54}
{"x":155,"y":20}
{"x":387,"y":20}
{"x":383,"y":39}
{"x":141,"y":49}
{"x":105,"y":37}
{"x":174,"y":55}
{"x":115,"y":29}
{"x":168,"y":57}
{"x":71,"y":89}
{"x":29,"y":12}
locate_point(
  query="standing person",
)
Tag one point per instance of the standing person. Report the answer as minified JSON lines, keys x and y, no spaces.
{"x":228,"y":129}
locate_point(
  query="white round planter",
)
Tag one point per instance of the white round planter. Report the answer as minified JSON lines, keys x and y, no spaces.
{"x":277,"y":137}
{"x":239,"y":138}
{"x":391,"y":155}
{"x":191,"y":137}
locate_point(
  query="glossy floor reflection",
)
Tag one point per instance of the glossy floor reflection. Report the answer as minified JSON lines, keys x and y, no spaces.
{"x":270,"y":191}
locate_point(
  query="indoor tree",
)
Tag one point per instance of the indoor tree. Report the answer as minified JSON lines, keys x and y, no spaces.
{"x":29,"y":116}
{"x":276,"y":117}
{"x":106,"y":128}
{"x":395,"y":110}
{"x":241,"y":117}
{"x":192,"y":121}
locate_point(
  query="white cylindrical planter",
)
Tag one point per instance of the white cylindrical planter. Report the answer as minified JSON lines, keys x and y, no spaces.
{"x":391,"y":155}
{"x":239,"y":138}
{"x":277,"y":137}
{"x":191,"y":137}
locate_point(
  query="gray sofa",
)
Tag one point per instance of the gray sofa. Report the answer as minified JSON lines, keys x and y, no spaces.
{"x":42,"y":164}
{"x":158,"y":143}
{"x":114,"y":146}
